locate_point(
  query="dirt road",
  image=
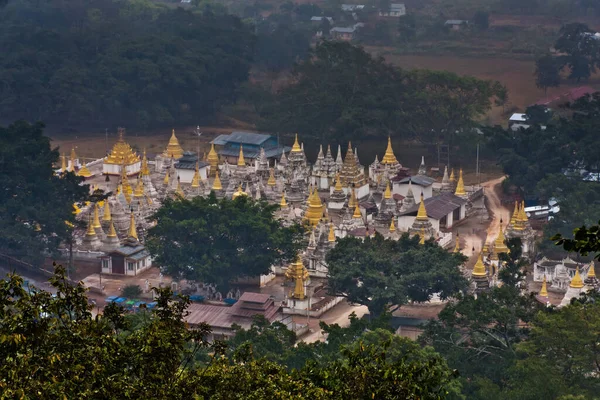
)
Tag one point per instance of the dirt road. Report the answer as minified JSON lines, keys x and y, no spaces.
{"x":497,"y":212}
{"x":337,"y":315}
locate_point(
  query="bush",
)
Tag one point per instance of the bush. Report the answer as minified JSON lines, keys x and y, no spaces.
{"x":131,"y":291}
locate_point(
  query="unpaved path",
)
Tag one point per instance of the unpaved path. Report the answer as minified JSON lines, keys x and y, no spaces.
{"x":496,"y":210}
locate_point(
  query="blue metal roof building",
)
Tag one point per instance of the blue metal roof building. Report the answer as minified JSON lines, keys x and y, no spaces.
{"x":251,"y":142}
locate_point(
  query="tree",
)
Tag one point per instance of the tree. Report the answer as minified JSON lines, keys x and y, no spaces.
{"x":218,"y":241}
{"x":35,"y":202}
{"x":279,"y":47}
{"x":52,"y":348}
{"x":341,"y":92}
{"x":547,"y":72}
{"x":478,"y":335}
{"x":380,"y":272}
{"x":131,"y":291}
{"x":538,"y":115}
{"x":407,"y":27}
{"x":272,"y":341}
{"x":582,"y":49}
{"x":481,"y":20}
{"x":136,"y":63}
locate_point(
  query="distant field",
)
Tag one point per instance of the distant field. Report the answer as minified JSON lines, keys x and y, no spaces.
{"x":517,"y":75}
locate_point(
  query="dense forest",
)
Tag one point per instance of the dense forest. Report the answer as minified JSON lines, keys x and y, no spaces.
{"x":89,"y":63}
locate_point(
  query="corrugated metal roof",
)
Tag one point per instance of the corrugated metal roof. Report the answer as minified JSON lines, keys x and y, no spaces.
{"x":254,"y":297}
{"x":242,"y":137}
{"x":252,"y":153}
{"x":438,"y":206}
{"x":128,"y":250}
{"x":419,"y":180}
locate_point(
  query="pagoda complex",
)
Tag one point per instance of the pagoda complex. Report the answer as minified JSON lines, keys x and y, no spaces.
{"x":121,"y":157}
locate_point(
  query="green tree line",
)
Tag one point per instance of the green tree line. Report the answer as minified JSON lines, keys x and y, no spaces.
{"x":88,"y":64}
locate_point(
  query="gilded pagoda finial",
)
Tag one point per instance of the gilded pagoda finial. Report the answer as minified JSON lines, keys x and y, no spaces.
{"x":460,"y":186}
{"x":422,"y":213}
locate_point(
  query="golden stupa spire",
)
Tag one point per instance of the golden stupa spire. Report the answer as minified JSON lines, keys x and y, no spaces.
{"x":338,"y":183}
{"x":213,"y":158}
{"x":271,"y":181}
{"x":389,"y":157}
{"x":479,"y":268}
{"x":296,"y":147}
{"x":576,"y":282}
{"x":72,"y":160}
{"x":544,"y":289}
{"x":132,"y":231}
{"x":422,"y":213}
{"x":178,"y":189}
{"x":122,"y":153}
{"x":352,"y":202}
{"x":217,"y":182}
{"x":299,"y":275}
{"x":523,"y":215}
{"x":63,"y":163}
{"x":84,"y":172}
{"x":283,"y":203}
{"x":331,"y":236}
{"x":452,"y":176}
{"x":392,"y":226}
{"x":241,"y":162}
{"x":111,"y":230}
{"x":422,"y":236}
{"x":196,"y":178}
{"x":106,"y":216}
{"x":139,"y":189}
{"x":460,"y":186}
{"x":166,"y":180}
{"x":90,"y":229}
{"x":145,"y":171}
{"x":315,"y":208}
{"x":388,"y":191}
{"x":96,"y":224}
{"x":173,"y":149}
{"x":592,"y":270}
{"x":357,"y":213}
{"x":514,"y":223}
{"x":457,"y":245}
{"x":238,"y":192}
{"x":499,"y":245}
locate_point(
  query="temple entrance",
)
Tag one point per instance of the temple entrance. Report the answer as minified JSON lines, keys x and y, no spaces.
{"x":118,"y":265}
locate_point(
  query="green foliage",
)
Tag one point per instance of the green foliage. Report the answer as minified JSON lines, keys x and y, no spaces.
{"x":478,"y":335}
{"x":118,"y":62}
{"x":131,"y":291}
{"x":547,"y":72}
{"x":279,"y":46}
{"x":272,"y":341}
{"x":380,"y":272}
{"x":341,"y":92}
{"x":53,"y":348}
{"x":585,"y":240}
{"x":481,"y":20}
{"x":218,"y":241}
{"x":33,"y":194}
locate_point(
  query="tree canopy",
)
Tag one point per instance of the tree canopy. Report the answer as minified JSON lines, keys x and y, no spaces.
{"x":100,"y":63}
{"x":34,"y":202}
{"x":52,"y":348}
{"x":380,"y":272}
{"x":217,"y":241}
{"x":341,"y":92}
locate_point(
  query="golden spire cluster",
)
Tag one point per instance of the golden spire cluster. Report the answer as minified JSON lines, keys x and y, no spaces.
{"x":122,"y":153}
{"x":132,"y":231}
{"x":145,"y":171}
{"x":173,"y":149}
{"x":298,"y":273}
{"x":389,"y":158}
{"x":388,"y":191}
{"x":544,"y":289}
{"x":241,"y":162}
{"x":499,"y":245}
{"x":84,"y":172}
{"x":96,"y":222}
